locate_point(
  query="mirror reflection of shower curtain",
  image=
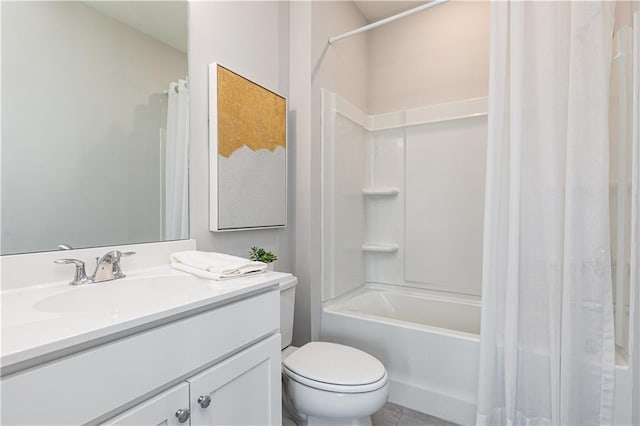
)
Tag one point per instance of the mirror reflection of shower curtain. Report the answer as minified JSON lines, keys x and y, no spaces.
{"x":547,"y":349}
{"x":176,"y":165}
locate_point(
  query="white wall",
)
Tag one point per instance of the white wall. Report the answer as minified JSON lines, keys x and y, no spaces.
{"x":81,"y":113}
{"x":341,"y":68}
{"x":300,"y":126}
{"x":435,"y":56}
{"x":251,"y":38}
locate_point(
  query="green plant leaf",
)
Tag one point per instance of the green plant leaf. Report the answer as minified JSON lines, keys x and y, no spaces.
{"x":261,"y":255}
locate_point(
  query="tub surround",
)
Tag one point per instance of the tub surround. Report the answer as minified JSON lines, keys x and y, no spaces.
{"x":382,"y":208}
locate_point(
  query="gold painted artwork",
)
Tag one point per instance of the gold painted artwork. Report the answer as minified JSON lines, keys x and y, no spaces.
{"x":248,"y":114}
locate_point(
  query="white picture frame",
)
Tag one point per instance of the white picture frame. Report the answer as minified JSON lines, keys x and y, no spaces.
{"x":247,"y":170}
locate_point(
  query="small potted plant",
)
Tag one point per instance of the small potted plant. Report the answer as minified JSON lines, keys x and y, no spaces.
{"x":261,"y":255}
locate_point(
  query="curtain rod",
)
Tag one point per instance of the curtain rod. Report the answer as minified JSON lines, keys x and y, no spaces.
{"x":386,"y":20}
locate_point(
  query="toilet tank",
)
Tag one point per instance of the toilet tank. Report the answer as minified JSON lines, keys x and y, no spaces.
{"x":287,"y":302}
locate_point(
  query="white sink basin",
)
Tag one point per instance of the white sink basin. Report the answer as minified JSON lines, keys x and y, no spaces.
{"x":126,"y":295}
{"x":40,"y":320}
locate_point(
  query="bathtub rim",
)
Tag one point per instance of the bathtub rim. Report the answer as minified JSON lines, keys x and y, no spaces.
{"x":335,"y":307}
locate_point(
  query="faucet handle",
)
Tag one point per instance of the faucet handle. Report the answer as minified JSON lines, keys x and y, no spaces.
{"x":115,"y":255}
{"x":117,"y":270}
{"x":65,"y":261}
{"x":80,"y":276}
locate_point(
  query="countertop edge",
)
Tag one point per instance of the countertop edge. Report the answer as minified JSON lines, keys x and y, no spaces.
{"x":28,"y":358}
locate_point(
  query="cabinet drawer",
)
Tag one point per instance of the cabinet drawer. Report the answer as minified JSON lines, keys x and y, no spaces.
{"x":84,"y":386}
{"x":159,"y":410}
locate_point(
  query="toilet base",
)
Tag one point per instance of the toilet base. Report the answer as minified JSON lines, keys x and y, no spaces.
{"x":290,"y":419}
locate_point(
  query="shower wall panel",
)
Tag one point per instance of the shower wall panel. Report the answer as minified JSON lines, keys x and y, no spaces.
{"x":344,"y":169}
{"x":445,"y":175}
{"x":434,"y":159}
{"x":403,"y":196}
{"x":384,"y":214}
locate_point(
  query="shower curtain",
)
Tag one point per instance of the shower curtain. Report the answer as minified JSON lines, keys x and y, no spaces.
{"x":634,"y":319}
{"x":547,"y":350}
{"x":176,"y":166}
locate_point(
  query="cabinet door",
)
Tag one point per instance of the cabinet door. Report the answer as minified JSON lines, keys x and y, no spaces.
{"x":242,"y":390}
{"x":159,"y":410}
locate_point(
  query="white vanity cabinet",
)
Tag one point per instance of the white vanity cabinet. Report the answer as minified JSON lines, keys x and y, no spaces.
{"x":241,"y":390}
{"x":170,"y":408}
{"x":228,"y":351}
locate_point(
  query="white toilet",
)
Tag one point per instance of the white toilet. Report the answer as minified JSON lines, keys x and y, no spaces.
{"x":326,"y":383}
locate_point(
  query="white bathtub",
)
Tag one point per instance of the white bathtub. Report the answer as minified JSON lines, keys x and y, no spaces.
{"x":428,"y":343}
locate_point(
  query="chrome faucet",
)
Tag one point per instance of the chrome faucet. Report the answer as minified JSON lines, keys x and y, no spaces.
{"x":107,"y":268}
{"x":80,"y":276}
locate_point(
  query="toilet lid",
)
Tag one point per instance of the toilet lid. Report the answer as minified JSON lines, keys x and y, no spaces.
{"x":335,"y":364}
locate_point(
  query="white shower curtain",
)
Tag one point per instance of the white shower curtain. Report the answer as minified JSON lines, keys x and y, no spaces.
{"x":176,"y":167}
{"x":634,"y":319}
{"x":547,"y":352}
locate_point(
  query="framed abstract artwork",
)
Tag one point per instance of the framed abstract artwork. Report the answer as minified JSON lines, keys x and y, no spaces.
{"x":247,"y":153}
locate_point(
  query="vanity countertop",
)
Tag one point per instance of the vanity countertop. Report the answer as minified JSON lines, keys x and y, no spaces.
{"x":44,"y":322}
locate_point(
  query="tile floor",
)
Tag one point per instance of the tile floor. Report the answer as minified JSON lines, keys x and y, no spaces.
{"x":393,"y":415}
{"x":396,"y":415}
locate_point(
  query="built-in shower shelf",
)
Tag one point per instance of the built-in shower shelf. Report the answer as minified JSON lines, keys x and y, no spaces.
{"x":380,"y":247}
{"x":389,"y":191}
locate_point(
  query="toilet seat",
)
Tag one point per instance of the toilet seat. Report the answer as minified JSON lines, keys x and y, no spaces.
{"x":333,"y":387}
{"x":335,"y":368}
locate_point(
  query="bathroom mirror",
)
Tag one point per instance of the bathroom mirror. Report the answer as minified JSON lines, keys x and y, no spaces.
{"x":94,"y":123}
